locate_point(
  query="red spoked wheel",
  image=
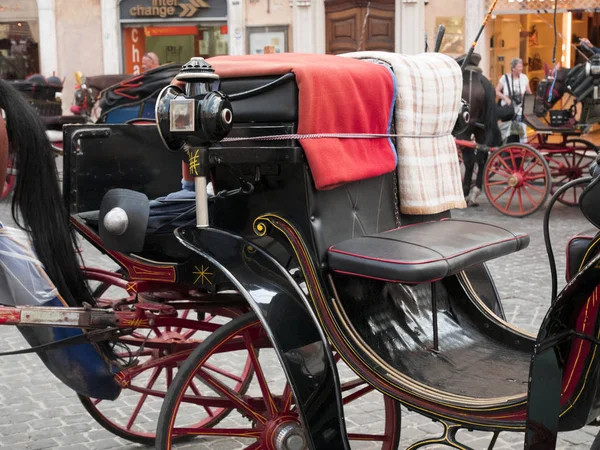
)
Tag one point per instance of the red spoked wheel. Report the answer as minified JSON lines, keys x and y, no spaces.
{"x":152,"y":358}
{"x":11,"y":177}
{"x":517,"y":180}
{"x":569,"y":165}
{"x":267,"y":415}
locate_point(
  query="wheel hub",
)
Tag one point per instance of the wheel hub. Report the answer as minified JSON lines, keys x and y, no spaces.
{"x":284,"y":433}
{"x":515,"y":180}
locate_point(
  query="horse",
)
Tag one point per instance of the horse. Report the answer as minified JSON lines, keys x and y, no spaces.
{"x":37,"y":205}
{"x":480,"y":94}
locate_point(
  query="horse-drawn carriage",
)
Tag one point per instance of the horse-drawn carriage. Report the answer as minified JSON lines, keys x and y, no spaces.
{"x":120,"y":98}
{"x":518,"y":178}
{"x":328,"y":237}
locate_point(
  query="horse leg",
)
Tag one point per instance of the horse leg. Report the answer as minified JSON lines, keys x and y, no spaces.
{"x":469,"y":162}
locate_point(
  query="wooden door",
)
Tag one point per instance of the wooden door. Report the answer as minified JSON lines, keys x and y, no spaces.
{"x":356,"y":26}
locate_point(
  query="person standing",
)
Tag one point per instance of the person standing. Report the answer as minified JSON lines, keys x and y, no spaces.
{"x":150,"y":61}
{"x":511,"y":90}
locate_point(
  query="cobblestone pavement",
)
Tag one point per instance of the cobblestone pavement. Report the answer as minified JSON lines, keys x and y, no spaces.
{"x":37,"y":412}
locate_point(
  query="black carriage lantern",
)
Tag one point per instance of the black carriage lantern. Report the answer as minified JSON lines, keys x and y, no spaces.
{"x":197,"y":116}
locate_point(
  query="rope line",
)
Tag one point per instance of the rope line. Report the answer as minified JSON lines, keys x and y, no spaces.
{"x":284,"y":137}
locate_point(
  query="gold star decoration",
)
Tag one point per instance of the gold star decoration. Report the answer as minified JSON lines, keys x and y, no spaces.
{"x":202,"y":274}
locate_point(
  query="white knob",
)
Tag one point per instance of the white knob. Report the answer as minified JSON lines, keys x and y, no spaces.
{"x":116,"y":221}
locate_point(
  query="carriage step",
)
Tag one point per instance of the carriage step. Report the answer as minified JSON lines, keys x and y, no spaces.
{"x":423,"y":252}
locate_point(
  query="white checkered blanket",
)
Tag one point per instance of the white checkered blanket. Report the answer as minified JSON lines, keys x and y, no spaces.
{"x":428,"y":91}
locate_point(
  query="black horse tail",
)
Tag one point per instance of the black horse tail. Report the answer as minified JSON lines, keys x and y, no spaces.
{"x":493,"y":137}
{"x":38,"y":200}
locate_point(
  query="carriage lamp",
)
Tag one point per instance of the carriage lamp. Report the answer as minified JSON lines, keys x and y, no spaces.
{"x":196,"y":116}
{"x":592,"y":68}
{"x":193,"y":118}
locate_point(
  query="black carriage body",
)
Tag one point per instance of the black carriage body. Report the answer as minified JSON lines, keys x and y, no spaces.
{"x":293,"y":225}
{"x":490,"y":358}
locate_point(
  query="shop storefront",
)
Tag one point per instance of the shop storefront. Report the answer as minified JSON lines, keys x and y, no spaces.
{"x":174,"y":30}
{"x":268,"y":25}
{"x":19,"y":39}
{"x":526,"y":30}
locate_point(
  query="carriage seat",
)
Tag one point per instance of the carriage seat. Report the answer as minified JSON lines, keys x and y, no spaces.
{"x":423,"y":252}
{"x":158,"y":246}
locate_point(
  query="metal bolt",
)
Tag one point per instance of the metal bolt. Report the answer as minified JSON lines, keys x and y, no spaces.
{"x":295,"y":442}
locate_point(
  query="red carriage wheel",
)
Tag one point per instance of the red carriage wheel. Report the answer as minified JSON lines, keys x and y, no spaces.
{"x":11,"y":178}
{"x":569,"y":165}
{"x":154,"y":356}
{"x":269,"y":403}
{"x":517,"y":180}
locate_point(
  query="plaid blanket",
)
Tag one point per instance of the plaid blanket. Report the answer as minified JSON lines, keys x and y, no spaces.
{"x":428,"y":91}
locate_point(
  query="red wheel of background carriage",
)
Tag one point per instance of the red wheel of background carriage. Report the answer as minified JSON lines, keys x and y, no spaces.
{"x":269,"y":404}
{"x":570,"y":165}
{"x":158,"y":352}
{"x":517,"y":180}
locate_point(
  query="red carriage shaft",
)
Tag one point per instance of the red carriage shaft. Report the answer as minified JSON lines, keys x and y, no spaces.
{"x":144,"y":316}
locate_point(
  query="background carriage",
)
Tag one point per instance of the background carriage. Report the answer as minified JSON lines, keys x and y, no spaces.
{"x":519,"y":178}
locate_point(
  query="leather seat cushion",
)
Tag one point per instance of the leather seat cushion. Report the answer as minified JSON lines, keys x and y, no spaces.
{"x":423,"y":252}
{"x":577,"y":248}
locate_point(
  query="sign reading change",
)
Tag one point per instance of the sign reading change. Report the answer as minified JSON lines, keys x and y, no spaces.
{"x":171,"y":9}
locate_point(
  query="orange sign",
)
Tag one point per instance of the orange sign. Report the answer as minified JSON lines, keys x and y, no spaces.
{"x":135,"y":47}
{"x":170,"y":31}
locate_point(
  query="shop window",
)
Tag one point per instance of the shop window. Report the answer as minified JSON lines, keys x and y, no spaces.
{"x":173,"y":43}
{"x":19,"y":54}
{"x":273,"y":38}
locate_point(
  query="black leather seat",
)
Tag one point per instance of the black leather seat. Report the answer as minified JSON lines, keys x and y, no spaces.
{"x":423,"y":252}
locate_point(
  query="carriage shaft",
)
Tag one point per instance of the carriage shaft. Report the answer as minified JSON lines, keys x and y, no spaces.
{"x":57,"y":316}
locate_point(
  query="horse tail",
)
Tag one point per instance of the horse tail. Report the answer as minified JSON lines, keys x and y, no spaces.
{"x":37,"y":198}
{"x":493,"y":137}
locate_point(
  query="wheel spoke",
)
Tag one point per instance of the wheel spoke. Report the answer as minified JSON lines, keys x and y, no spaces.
{"x":497,"y":170}
{"x":222,"y":372}
{"x":225,"y":432}
{"x":502,"y":193}
{"x":529,"y":196}
{"x":349,"y":385}
{"x":287,"y":398}
{"x":196,"y":391}
{"x":512,"y":195}
{"x":520,"y":199}
{"x":143,"y":398}
{"x":505,"y":165}
{"x":219,"y":387}
{"x":366,"y":437}
{"x":357,"y":394}
{"x":185,"y":315}
{"x":262,"y":381}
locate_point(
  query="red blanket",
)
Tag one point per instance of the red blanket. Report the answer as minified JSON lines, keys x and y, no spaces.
{"x":336,"y":95}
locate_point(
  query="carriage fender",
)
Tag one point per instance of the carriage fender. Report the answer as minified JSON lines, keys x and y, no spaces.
{"x":291,"y":325}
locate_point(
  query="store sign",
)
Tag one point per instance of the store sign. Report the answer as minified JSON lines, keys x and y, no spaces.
{"x":525,"y":6}
{"x":18,"y":9}
{"x":172,"y":9}
{"x":135,"y":47}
